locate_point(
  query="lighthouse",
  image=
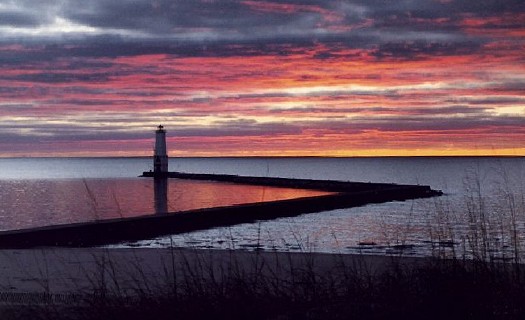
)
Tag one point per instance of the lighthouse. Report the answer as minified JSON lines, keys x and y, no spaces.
{"x":160,"y":155}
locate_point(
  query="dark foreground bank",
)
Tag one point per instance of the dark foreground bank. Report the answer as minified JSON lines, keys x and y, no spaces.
{"x":220,"y":284}
{"x":345,"y":195}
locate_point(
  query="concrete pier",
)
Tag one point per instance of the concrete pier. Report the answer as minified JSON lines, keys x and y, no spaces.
{"x":323,"y":185}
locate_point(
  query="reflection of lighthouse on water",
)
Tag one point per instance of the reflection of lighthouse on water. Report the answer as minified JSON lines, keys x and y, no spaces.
{"x":160,"y":191}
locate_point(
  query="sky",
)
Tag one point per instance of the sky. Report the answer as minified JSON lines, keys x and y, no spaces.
{"x":262,"y":78}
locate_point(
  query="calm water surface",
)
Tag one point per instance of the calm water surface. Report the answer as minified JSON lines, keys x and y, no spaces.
{"x":41,"y":191}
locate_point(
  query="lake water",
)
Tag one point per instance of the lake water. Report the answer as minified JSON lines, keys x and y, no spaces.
{"x":41,"y":192}
{"x":482,"y":208}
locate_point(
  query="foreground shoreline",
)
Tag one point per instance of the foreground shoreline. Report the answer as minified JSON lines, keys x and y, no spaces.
{"x":183,"y":283}
{"x":56,"y":270}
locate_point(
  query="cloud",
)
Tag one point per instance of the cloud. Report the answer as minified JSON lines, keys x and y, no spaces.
{"x":238,"y":129}
{"x":422,"y":124}
{"x":20,"y":19}
{"x":423,"y":49}
{"x":277,"y":71}
{"x":58,"y":77}
{"x":254,"y":21}
{"x":492,"y":100}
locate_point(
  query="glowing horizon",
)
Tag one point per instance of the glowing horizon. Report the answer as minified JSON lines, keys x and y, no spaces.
{"x":263,"y":78}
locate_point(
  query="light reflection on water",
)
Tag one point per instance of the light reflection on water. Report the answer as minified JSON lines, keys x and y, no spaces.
{"x":480,"y":193}
{"x":411,"y":228}
{"x":35,"y":203}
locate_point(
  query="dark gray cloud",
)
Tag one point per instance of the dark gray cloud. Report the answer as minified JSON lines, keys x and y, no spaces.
{"x":20,"y":19}
{"x":421,"y":124}
{"x":443,"y":124}
{"x":490,"y":101}
{"x":168,"y":16}
{"x":82,"y":54}
{"x":393,"y":29}
{"x":413,"y":50}
{"x":509,"y":86}
{"x":237,"y":129}
{"x":232,"y":21}
{"x":27,"y":14}
{"x":449,"y":110}
{"x":60,"y":77}
{"x":406,"y":12}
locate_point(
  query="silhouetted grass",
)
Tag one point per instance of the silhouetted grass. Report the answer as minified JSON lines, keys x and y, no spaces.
{"x":202,"y":289}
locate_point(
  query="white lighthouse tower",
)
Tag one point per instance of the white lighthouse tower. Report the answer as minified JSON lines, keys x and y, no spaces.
{"x":160,"y":155}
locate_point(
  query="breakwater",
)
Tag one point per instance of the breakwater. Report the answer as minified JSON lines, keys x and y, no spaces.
{"x":343,"y":195}
{"x":322,"y":185}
